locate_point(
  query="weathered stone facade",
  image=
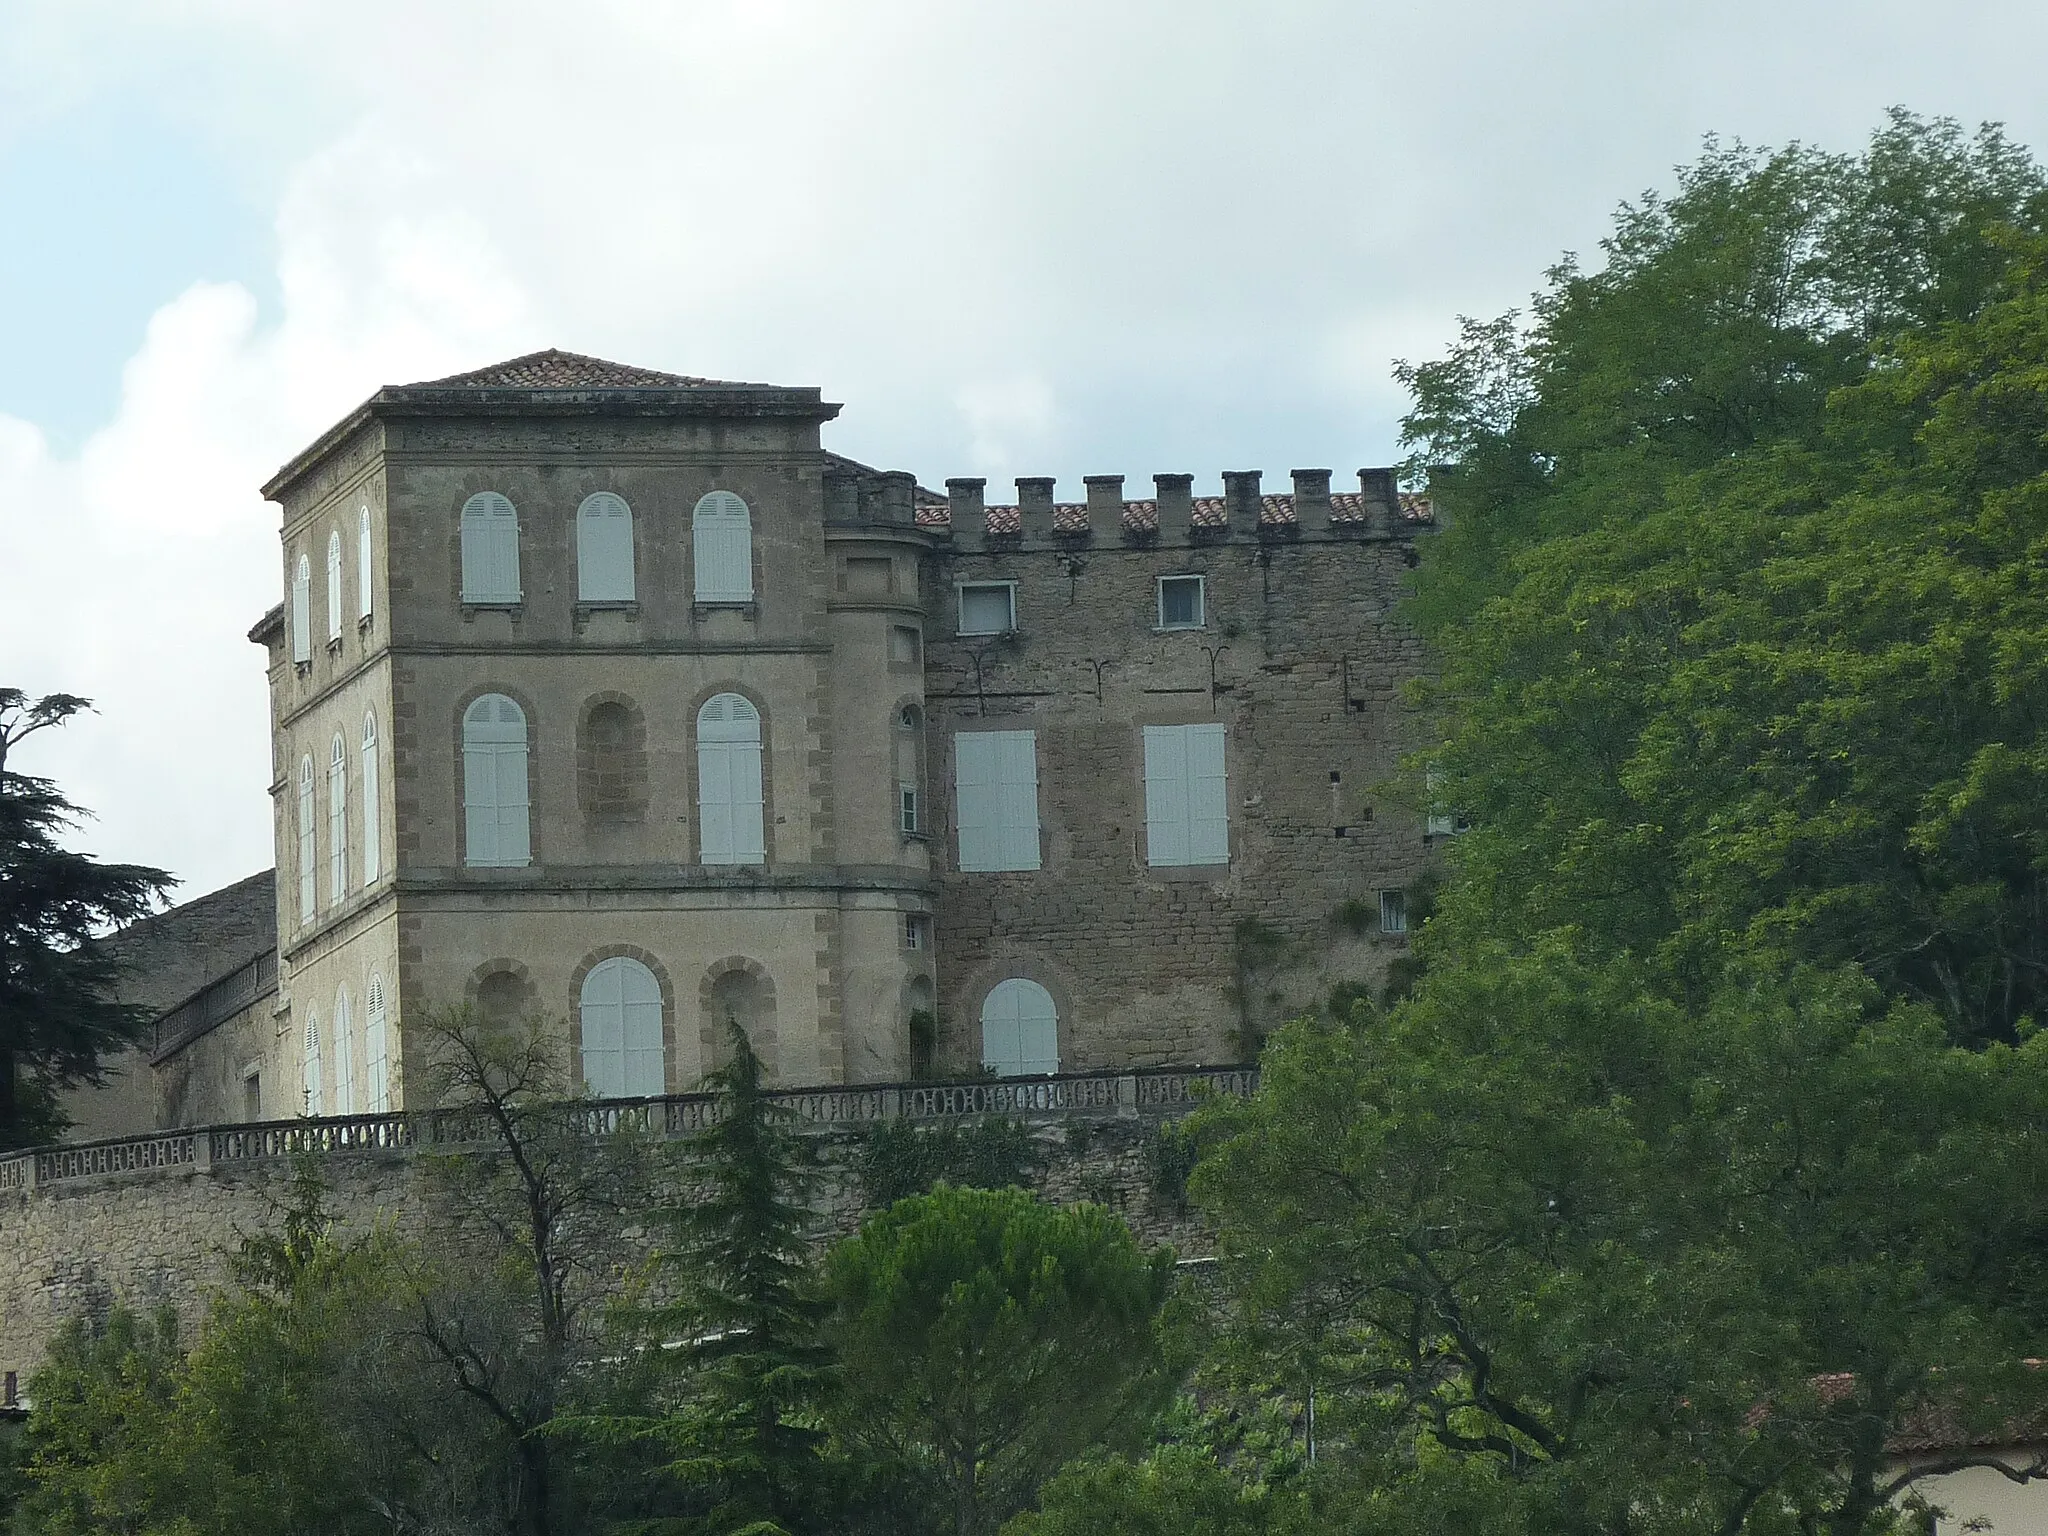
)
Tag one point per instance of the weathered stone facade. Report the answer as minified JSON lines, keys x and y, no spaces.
{"x":860,"y":943}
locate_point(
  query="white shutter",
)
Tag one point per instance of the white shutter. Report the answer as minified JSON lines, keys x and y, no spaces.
{"x":334,"y":584}
{"x":1017,"y":797}
{"x":372,"y":816}
{"x":344,"y":1056}
{"x":730,"y":818}
{"x":377,"y":1048}
{"x":1019,"y":1029}
{"x":302,"y":611}
{"x":604,"y":549}
{"x":1208,"y":797}
{"x":308,"y":842}
{"x":364,"y":580}
{"x":310,"y":1066}
{"x":490,"y":549}
{"x":974,"y":800}
{"x":337,"y":820}
{"x":722,"y":549}
{"x":494,"y":787}
{"x":603,"y":1017}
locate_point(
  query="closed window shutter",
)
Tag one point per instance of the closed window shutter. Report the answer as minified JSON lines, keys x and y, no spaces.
{"x":334,"y":584}
{"x":722,"y":548}
{"x":974,"y":800}
{"x":344,"y":1057}
{"x":490,"y":549}
{"x":363,"y":577}
{"x":1019,"y":1029}
{"x":302,"y":611}
{"x":494,"y":788}
{"x":604,"y":550}
{"x":1017,"y":797}
{"x":603,"y":1019}
{"x":308,"y":843}
{"x":731,"y":823}
{"x":337,"y":821}
{"x":640,"y":1002}
{"x":372,"y":817}
{"x":1166,"y":795}
{"x":310,"y":1067}
{"x":377,"y":1048}
{"x":1208,"y":797}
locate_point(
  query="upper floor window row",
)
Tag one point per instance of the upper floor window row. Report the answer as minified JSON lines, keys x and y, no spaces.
{"x":990,"y":607}
{"x":301,"y":618}
{"x":721,"y":538}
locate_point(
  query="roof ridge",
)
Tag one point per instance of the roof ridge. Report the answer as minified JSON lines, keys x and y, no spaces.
{"x":554,"y":368}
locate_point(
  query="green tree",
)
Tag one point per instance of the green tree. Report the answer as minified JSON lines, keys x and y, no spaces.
{"x":1177,"y":1490}
{"x":59,"y":1019}
{"x":984,"y":1338}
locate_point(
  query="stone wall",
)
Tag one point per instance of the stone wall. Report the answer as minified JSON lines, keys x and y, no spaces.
{"x":154,"y":1220}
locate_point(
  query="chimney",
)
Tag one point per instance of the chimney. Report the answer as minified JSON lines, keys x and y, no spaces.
{"x":1382,"y":508}
{"x":1105,"y":510}
{"x":1176,"y":507}
{"x":842,"y":496}
{"x":970,"y":516}
{"x":1241,"y":500}
{"x":1034,"y":508}
{"x":1312,"y":500}
{"x":894,"y":505}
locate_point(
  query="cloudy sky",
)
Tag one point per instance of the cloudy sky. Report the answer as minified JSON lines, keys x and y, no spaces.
{"x":1014,"y":238}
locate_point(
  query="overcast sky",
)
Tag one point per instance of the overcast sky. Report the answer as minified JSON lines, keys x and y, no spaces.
{"x":1014,"y":238}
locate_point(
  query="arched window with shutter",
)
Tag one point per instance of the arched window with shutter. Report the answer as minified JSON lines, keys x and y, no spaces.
{"x":364,"y":581}
{"x":620,"y":1018}
{"x":604,"y":549}
{"x":334,"y":584}
{"x":729,"y":820}
{"x":309,"y":1067}
{"x":376,"y":1048}
{"x":302,"y":611}
{"x":373,"y":817}
{"x":490,"y":549}
{"x":337,"y":819}
{"x":1020,"y":1029}
{"x":722,"y":549}
{"x":308,"y":842}
{"x":494,"y":783}
{"x":344,"y":1055}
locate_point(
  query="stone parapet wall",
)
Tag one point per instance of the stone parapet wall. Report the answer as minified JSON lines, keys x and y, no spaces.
{"x":152,"y":1220}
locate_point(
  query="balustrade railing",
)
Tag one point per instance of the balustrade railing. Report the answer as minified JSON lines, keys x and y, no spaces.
{"x":1151,"y":1091}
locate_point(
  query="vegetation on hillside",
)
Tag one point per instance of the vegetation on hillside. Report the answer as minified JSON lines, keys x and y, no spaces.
{"x":1701,"y":1150}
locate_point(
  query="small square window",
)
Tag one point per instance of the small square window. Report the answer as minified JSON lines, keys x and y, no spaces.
{"x":1180,"y":602}
{"x":1393,"y":911}
{"x":903,"y":645}
{"x":914,"y":930}
{"x":988,"y":608}
{"x":913,"y":820}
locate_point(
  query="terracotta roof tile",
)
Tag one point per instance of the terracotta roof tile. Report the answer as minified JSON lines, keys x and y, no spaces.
{"x":554,"y":369}
{"x":1207,"y":512}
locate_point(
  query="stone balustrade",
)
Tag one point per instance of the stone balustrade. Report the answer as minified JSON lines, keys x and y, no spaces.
{"x":1151,"y":1091}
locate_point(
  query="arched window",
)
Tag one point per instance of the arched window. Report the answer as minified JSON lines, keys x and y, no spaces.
{"x":337,"y":819}
{"x":344,"y":1055}
{"x":363,"y":576}
{"x":910,"y":770}
{"x":334,"y":584}
{"x":729,"y":782}
{"x":308,"y":843}
{"x":490,"y":549}
{"x":373,"y":819}
{"x":302,"y":611}
{"x":621,"y":1016}
{"x":377,"y":1048}
{"x":310,"y":1066}
{"x":604,"y":549}
{"x":494,"y":782}
{"x":722,"y":548}
{"x":1019,"y":1029}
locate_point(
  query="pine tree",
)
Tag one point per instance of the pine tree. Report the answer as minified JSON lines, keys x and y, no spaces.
{"x":59,"y":1019}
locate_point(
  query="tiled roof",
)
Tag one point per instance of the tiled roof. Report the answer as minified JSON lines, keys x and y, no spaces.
{"x":555,"y":369}
{"x":1143,"y":516}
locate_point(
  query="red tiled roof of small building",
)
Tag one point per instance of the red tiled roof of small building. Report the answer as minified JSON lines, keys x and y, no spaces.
{"x":555,"y":369}
{"x":1207,"y":512}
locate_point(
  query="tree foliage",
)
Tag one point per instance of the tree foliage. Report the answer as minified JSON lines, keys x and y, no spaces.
{"x":985,"y":1337}
{"x":59,"y":1018}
